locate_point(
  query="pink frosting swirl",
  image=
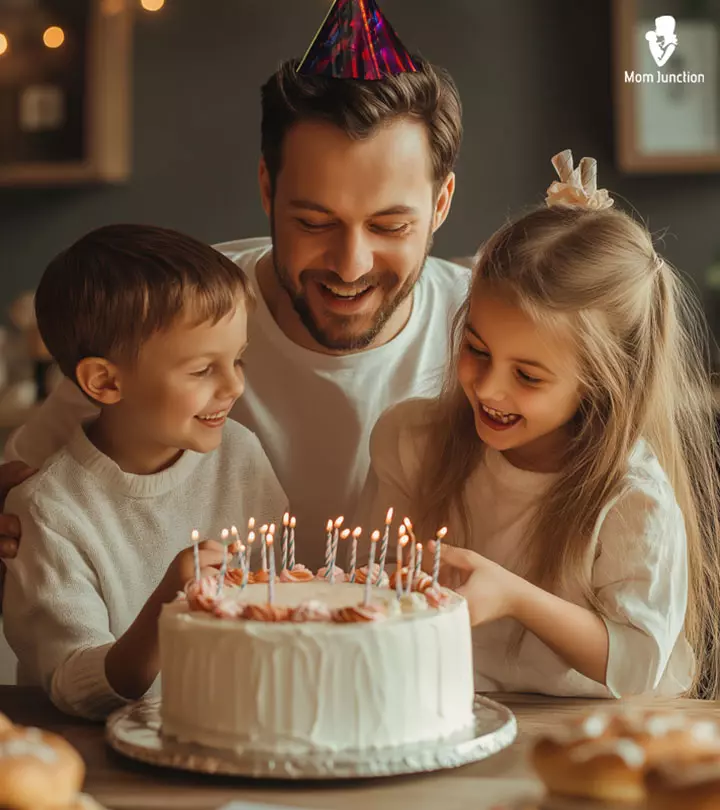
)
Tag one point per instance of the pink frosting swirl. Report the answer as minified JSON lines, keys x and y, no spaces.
{"x":298,"y":574}
{"x":229,"y":609}
{"x":359,"y":613}
{"x":362,"y":573}
{"x":235,"y":577}
{"x":202,"y":594}
{"x":266,"y":613}
{"x":338,"y":575}
{"x":311,"y":611}
{"x":421,"y":582}
{"x":264,"y":577}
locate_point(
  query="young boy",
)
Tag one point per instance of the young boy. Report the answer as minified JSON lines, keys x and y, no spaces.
{"x":151,"y":325}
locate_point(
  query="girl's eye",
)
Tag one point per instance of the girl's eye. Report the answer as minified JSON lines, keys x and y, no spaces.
{"x":202,"y":373}
{"x":477,"y":352}
{"x":527,"y":378}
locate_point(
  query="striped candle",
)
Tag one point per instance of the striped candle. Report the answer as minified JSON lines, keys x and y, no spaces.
{"x":328,"y":549}
{"x":384,"y":544}
{"x":411,"y":569}
{"x":402,"y":542}
{"x":284,"y":559}
{"x":195,"y":537}
{"x":291,"y":552}
{"x":436,"y":562}
{"x":224,"y":534}
{"x":374,"y":537}
{"x":271,"y":572}
{"x":246,"y":567}
{"x":263,"y":546}
{"x":353,"y":555}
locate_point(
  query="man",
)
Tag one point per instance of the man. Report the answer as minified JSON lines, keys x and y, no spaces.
{"x":353,"y":315}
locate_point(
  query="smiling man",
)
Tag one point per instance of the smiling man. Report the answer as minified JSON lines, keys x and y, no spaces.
{"x":353,"y":314}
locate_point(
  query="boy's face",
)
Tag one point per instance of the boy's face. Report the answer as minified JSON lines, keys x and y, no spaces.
{"x":352,"y":224}
{"x":178,"y":393}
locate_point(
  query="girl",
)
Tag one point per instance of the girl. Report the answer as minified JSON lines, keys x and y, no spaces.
{"x":571,"y":455}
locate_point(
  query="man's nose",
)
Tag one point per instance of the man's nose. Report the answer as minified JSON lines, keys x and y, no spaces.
{"x":353,"y":256}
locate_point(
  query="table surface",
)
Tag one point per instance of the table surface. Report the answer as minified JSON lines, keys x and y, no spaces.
{"x":119,"y":783}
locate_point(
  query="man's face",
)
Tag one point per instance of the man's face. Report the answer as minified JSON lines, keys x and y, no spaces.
{"x":352,"y":225}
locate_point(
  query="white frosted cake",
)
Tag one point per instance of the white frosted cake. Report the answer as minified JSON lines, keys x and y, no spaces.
{"x":319,"y":669}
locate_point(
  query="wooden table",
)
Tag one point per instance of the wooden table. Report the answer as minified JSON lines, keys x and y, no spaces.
{"x":119,"y":783}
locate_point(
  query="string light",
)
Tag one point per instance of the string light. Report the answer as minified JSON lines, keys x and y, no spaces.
{"x":152,"y":5}
{"x":53,"y":37}
{"x":3,"y":44}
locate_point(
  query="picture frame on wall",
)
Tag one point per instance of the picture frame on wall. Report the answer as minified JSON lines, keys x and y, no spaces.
{"x":65,"y":92}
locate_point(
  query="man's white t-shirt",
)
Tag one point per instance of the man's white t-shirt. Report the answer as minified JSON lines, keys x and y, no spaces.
{"x":312,"y":412}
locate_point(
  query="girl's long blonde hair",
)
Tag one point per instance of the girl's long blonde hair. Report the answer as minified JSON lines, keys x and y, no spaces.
{"x":641,"y":339}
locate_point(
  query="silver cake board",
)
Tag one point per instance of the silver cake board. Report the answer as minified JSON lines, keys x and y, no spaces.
{"x":136,"y":732}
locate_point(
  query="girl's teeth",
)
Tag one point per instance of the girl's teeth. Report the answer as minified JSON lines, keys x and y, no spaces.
{"x":499,"y":416}
{"x":212,"y":416}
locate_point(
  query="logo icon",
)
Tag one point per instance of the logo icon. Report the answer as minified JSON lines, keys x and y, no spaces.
{"x":662,"y":41}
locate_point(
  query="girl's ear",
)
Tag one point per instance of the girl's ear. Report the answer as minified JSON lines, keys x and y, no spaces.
{"x":99,"y":379}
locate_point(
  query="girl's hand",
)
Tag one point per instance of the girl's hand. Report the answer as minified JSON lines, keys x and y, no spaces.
{"x":182,"y":569}
{"x":490,"y":589}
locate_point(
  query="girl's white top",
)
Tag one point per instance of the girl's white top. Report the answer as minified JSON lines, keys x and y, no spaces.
{"x":636,"y":563}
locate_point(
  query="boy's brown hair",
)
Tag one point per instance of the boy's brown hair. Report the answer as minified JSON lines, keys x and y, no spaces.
{"x":359,"y":107}
{"x":105,"y":295}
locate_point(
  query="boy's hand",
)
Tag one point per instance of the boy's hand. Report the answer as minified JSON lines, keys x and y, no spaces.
{"x":182,"y":568}
{"x":491,"y":590}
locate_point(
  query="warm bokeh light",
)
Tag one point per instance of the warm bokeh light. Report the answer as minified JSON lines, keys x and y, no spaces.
{"x":54,"y":37}
{"x":3,"y":44}
{"x":152,"y":5}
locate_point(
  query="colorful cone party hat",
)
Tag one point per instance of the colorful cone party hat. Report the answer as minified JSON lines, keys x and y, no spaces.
{"x":355,"y":41}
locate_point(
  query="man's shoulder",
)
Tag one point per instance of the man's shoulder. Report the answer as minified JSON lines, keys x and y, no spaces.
{"x":446,"y":280}
{"x":242,"y":251}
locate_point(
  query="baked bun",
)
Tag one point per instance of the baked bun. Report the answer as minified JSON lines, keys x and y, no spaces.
{"x":38,"y":770}
{"x":605,"y":755}
{"x":684,"y":784}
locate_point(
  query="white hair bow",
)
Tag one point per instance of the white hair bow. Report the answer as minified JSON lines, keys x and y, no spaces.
{"x":578,"y":186}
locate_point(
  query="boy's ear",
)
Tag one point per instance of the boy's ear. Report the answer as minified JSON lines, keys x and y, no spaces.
{"x":265,"y":187}
{"x":99,"y":379}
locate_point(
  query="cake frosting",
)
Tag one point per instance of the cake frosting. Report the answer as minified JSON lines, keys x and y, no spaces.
{"x":321,"y":669}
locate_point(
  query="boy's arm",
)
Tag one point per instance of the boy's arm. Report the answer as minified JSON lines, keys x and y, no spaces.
{"x":55,"y":618}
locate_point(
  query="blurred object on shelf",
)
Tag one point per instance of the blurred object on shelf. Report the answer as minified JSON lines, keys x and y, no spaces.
{"x":22,"y":314}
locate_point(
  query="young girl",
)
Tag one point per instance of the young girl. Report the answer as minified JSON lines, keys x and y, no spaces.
{"x":571,"y":455}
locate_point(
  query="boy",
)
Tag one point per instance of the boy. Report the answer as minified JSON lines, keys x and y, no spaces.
{"x":151,"y":325}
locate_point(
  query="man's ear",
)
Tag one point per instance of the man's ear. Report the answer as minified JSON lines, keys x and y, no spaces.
{"x":444,"y":201}
{"x":265,"y":187}
{"x":99,"y":379}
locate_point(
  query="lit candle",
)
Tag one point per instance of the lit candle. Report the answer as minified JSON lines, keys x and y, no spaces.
{"x":284,"y":559}
{"x":384,"y":544}
{"x":235,"y":543}
{"x":353,"y":556}
{"x":271,"y":572}
{"x":195,"y":537}
{"x":411,"y":569}
{"x":374,"y":537}
{"x":436,"y":562}
{"x":251,"y":531}
{"x":263,"y":546}
{"x":328,"y":549}
{"x":224,"y":534}
{"x":344,"y":534}
{"x":291,"y":553}
{"x":241,"y":557}
{"x":418,"y":559}
{"x":402,"y":542}
{"x":336,"y":535}
{"x":246,"y":568}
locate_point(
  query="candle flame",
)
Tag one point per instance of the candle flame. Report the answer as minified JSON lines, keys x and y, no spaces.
{"x":251,"y":538}
{"x":357,"y":532}
{"x":345,"y":533}
{"x":233,"y":531}
{"x":418,"y":546}
{"x":404,"y":539}
{"x":329,"y":525}
{"x":292,"y":523}
{"x":339,"y":522}
{"x":441,"y":533}
{"x":224,"y":534}
{"x":251,"y":523}
{"x":389,"y":516}
{"x":375,"y":536}
{"x":402,"y":531}
{"x":263,"y":528}
{"x":286,"y":518}
{"x":272,"y":528}
{"x":406,"y":521}
{"x":195,"y":535}
{"x":269,"y":539}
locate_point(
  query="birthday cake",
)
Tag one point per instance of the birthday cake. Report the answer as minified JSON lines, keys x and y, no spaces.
{"x":294,"y":663}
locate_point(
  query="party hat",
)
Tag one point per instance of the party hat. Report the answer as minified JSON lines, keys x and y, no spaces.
{"x":356,"y":41}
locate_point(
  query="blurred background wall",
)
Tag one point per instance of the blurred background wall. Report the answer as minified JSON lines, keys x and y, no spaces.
{"x":535,"y":77}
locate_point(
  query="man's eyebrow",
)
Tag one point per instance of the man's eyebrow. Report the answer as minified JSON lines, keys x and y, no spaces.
{"x":394,"y":210}
{"x":534,"y":363}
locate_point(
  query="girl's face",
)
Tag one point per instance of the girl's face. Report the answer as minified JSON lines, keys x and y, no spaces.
{"x":522,"y":381}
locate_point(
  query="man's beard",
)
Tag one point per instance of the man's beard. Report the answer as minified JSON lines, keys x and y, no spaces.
{"x":332,"y":338}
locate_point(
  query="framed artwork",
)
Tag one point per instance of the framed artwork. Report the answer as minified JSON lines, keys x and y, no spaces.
{"x":65,"y":83}
{"x":665,"y":76}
